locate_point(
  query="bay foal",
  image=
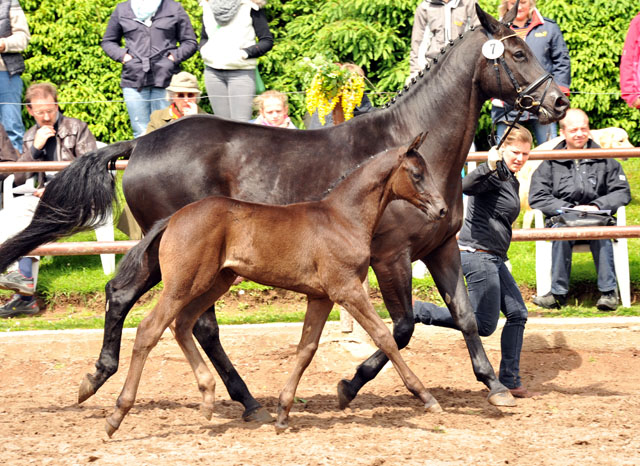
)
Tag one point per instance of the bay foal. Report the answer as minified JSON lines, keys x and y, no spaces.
{"x":317,"y":248}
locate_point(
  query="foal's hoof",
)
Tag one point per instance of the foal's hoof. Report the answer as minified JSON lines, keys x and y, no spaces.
{"x":505,"y":399}
{"x":433,"y":406}
{"x":259,"y":415}
{"x":345,"y":394}
{"x":87,"y":388}
{"x":110,"y":428}
{"x":207,"y":411}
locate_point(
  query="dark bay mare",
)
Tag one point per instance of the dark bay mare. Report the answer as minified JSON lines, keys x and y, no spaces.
{"x":319,"y":248}
{"x":203,"y":155}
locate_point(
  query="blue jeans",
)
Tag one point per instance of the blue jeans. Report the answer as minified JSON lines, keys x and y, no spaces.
{"x":542,"y":133}
{"x":141,"y":104}
{"x":491,"y":289}
{"x":602,"y":252}
{"x":231,"y":92}
{"x":11,"y":108}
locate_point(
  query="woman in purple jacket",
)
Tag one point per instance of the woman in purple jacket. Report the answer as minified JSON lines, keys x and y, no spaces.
{"x":158,"y":36}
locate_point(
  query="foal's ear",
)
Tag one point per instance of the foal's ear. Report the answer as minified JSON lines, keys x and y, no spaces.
{"x":488,"y":22}
{"x":510,"y":16}
{"x":417,"y":142}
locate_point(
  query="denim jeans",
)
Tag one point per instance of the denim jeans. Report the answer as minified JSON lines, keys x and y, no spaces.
{"x":541,"y":132}
{"x":491,"y":289}
{"x":141,"y":104}
{"x":11,"y":108}
{"x":602,"y":252}
{"x":231,"y":92}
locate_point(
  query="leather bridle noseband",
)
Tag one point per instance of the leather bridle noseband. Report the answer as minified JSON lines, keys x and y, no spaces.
{"x":524,"y":100}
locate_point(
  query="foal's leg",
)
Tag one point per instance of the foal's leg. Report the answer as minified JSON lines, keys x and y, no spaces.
{"x":394,"y":279}
{"x":149,"y":332}
{"x":446,"y":269}
{"x":317,"y":313}
{"x":358,"y":304}
{"x":183,"y":334}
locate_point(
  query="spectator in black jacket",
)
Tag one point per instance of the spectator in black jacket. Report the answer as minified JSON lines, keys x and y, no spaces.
{"x":585,"y":184}
{"x":494,"y":204}
{"x":158,"y":36}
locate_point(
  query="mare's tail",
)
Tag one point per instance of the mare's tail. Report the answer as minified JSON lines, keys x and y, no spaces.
{"x":76,"y":199}
{"x":132,"y":261}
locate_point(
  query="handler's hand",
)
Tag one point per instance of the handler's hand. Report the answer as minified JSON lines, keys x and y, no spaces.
{"x":494,"y":157}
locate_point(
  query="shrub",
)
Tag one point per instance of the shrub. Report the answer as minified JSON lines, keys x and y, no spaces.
{"x":375,"y":34}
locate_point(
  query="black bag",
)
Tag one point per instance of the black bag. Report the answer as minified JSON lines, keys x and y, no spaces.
{"x":581,"y":219}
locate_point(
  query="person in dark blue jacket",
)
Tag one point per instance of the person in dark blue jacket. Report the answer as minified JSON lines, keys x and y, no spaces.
{"x":584,"y":184}
{"x":494,"y":204}
{"x":545,"y":39}
{"x":158,"y":36}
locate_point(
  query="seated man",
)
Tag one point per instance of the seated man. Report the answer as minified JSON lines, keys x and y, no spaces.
{"x":54,"y":137}
{"x":583,"y":184}
{"x":183,"y":93}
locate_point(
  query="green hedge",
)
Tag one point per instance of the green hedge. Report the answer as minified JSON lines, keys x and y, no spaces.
{"x":375,"y":34}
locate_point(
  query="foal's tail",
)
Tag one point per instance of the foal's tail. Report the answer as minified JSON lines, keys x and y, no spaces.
{"x":76,"y":199}
{"x":132,"y":261}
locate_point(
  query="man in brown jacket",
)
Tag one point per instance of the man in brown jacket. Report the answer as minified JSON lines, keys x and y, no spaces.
{"x":54,"y":137}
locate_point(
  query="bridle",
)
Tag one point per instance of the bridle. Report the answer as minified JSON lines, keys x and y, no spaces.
{"x":524,"y":100}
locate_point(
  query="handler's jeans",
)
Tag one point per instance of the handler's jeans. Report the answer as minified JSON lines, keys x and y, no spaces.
{"x":602,"y":252}
{"x":491,"y":289}
{"x":11,"y":108}
{"x":141,"y":104}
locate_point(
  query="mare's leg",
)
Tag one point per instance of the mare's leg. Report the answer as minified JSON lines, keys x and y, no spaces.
{"x":394,"y":279}
{"x":317,"y":313}
{"x":207,"y":332}
{"x":149,"y":332}
{"x":446,"y":269}
{"x":120,"y":296}
{"x":358,"y":305}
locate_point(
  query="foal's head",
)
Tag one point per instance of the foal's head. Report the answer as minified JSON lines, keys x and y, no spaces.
{"x":413,"y":183}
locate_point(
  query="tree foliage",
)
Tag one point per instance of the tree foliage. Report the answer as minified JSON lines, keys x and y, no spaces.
{"x":374,"y":34}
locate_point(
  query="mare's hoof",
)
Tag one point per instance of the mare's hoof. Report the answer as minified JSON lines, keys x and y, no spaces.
{"x":345,"y":394}
{"x":502,"y":399}
{"x":207,"y":411}
{"x":87,"y":388}
{"x":433,"y":406}
{"x":109,"y":428}
{"x":259,"y":415}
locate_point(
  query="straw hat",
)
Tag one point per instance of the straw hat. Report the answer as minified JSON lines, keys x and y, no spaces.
{"x":183,"y":82}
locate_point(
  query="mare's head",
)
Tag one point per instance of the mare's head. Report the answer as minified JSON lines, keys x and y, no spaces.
{"x":514,"y":74}
{"x":412,"y":182}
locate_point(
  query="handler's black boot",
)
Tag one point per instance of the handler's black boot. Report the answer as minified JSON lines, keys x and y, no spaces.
{"x":551,"y":301}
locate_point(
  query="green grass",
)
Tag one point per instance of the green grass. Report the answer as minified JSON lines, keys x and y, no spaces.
{"x":81,"y":280}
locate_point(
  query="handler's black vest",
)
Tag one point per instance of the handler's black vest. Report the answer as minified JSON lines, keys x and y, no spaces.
{"x":13,"y":61}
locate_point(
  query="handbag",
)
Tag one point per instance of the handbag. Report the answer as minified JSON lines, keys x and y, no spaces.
{"x":260,"y":87}
{"x":581,"y":219}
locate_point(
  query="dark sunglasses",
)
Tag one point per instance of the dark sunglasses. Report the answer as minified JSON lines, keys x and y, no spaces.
{"x":186,"y":95}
